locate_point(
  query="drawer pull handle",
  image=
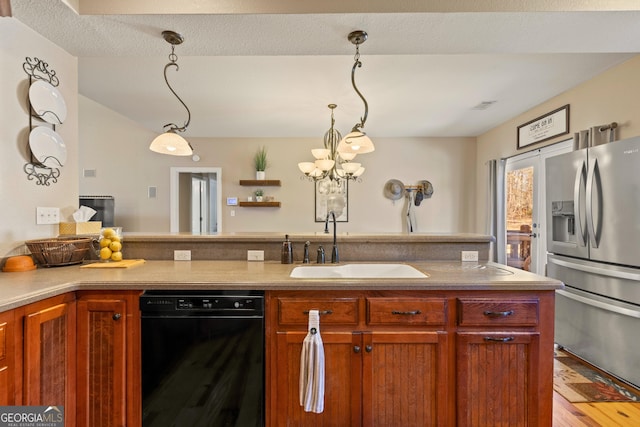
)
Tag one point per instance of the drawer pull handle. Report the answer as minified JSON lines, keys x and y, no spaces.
{"x":407,"y":313}
{"x":117,"y":316}
{"x":498,"y":313}
{"x":499,"y":339}
{"x":321,"y":313}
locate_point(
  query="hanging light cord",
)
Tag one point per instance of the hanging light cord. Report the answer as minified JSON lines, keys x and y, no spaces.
{"x":358,"y":64}
{"x":173,"y":58}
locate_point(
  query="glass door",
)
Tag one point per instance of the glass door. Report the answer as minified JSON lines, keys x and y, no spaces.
{"x":525,"y":246}
{"x":521,"y":212}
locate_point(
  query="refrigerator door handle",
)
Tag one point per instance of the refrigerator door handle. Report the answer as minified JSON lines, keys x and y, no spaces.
{"x":599,"y":304}
{"x":593,"y":166}
{"x":580,"y":232}
{"x":596,"y":270}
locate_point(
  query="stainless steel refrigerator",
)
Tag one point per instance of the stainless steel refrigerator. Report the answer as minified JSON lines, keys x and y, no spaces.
{"x":593,"y":240}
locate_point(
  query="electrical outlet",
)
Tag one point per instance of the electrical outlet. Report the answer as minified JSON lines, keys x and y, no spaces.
{"x":182,"y":255}
{"x":470,"y":256}
{"x":255,"y":255}
{"x":47,"y":215}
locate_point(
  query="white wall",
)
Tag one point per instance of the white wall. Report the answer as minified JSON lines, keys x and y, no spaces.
{"x":118,"y":149}
{"x":613,"y":96}
{"x":18,"y":195}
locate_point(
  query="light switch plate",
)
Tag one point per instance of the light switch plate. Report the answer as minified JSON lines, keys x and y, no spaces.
{"x":47,"y":215}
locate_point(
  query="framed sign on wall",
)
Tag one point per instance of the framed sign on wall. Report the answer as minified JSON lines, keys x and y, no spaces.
{"x":543,"y":128}
{"x":332,"y":196}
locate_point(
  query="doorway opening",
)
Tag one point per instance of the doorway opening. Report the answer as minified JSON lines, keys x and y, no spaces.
{"x":196,"y":205}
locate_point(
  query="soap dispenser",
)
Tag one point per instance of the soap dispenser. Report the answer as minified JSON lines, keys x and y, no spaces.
{"x":287,"y":251}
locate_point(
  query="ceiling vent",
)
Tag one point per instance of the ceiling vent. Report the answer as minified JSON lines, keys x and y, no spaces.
{"x":484,"y":105}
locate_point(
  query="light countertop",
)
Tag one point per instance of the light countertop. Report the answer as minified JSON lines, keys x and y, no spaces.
{"x":17,"y":289}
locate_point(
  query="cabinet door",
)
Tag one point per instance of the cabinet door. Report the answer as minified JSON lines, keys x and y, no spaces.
{"x":49,"y":357}
{"x":101,"y":362}
{"x":343,"y":373}
{"x":405,"y":379}
{"x":497,"y":379}
{"x":7,"y":359}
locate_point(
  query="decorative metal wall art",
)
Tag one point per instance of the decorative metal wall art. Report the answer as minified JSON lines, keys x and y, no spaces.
{"x":47,"y":109}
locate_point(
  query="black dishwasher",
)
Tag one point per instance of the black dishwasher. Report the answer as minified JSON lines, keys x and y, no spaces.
{"x":202,"y":358}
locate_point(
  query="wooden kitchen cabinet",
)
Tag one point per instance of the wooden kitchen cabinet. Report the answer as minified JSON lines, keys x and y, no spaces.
{"x":438,"y":358}
{"x":49,"y":354}
{"x":343,"y":369}
{"x":499,"y":363}
{"x":497,"y":379}
{"x":108,"y":343}
{"x":7,"y":358}
{"x":385,"y":360}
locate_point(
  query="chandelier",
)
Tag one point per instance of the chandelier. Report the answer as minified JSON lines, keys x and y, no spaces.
{"x":329,"y":162}
{"x":170,"y":142}
{"x":334,"y":161}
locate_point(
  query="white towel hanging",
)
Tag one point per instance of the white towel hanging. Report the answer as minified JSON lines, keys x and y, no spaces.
{"x":312,"y":367}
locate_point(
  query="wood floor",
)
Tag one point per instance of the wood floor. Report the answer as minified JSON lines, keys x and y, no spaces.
{"x":566,"y":414}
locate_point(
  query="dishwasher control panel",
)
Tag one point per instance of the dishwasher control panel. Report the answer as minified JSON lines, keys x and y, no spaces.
{"x":186,"y":304}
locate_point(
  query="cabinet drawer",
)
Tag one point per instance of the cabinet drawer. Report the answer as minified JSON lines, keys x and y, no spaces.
{"x":402,"y":311}
{"x":295,"y":311}
{"x":489,"y":311}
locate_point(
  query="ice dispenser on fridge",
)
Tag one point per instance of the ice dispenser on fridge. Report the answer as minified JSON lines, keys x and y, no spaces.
{"x":563,"y":221}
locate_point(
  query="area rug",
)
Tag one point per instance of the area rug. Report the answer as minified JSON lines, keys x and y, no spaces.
{"x":577,"y":382}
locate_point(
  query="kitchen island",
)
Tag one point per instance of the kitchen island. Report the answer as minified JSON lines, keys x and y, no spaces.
{"x":475,"y":349}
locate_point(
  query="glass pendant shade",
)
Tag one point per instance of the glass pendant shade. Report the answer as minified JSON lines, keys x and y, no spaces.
{"x":306,"y":167}
{"x":321,"y":153}
{"x":351,"y":168}
{"x":347,"y":156}
{"x":356,"y":142}
{"x":325,"y":165}
{"x":171,"y":143}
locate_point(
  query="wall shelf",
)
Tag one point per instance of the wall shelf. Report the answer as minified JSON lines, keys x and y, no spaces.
{"x":260,"y":182}
{"x":259,"y":204}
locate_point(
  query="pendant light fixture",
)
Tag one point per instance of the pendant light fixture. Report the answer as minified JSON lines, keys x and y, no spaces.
{"x":329,"y":162}
{"x":357,"y":141}
{"x":170,"y":142}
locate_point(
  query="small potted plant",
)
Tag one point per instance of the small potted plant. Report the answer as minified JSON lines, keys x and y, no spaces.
{"x":259,"y":193}
{"x":260,"y":162}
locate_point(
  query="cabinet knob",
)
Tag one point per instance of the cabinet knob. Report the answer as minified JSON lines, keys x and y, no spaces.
{"x":356,"y":349}
{"x":368,"y":349}
{"x":117,"y":316}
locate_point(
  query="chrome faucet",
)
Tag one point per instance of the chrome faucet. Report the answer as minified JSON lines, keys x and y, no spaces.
{"x":334,"y":252}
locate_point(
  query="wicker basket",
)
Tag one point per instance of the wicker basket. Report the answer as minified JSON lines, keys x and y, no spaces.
{"x":59,"y":251}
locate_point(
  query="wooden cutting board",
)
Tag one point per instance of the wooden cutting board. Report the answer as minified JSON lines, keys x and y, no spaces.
{"x":125,"y":263}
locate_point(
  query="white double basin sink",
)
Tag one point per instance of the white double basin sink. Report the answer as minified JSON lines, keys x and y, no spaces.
{"x":358,"y":271}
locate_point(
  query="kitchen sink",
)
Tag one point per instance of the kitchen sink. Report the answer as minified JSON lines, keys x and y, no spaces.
{"x":357,"y":271}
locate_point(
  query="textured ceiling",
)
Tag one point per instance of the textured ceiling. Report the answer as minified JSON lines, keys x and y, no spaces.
{"x":272,"y":75}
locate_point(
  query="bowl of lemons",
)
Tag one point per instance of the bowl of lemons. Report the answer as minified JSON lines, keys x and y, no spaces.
{"x":110,"y":244}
